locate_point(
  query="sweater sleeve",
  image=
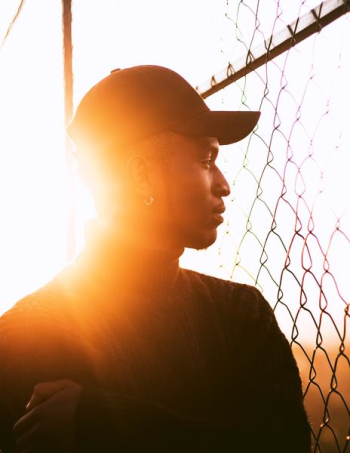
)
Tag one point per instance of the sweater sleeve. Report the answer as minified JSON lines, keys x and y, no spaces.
{"x":7,"y":444}
{"x":112,"y":422}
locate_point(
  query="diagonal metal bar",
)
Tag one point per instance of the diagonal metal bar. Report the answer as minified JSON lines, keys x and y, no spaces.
{"x":306,"y":25}
{"x":18,"y":12}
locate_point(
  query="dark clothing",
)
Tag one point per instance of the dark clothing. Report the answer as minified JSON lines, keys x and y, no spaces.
{"x":170,"y":359}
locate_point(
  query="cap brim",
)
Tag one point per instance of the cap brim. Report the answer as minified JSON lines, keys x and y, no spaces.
{"x":228,"y":127}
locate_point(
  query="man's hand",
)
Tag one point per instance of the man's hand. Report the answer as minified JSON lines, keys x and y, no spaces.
{"x":49,"y":422}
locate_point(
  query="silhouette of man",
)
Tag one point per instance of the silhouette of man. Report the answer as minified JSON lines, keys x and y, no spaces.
{"x":124,"y":350}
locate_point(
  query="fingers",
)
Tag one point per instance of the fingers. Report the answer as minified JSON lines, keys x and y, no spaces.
{"x":24,"y":424}
{"x":49,"y":423}
{"x":28,"y":439}
{"x":44,"y":390}
{"x":27,"y":434}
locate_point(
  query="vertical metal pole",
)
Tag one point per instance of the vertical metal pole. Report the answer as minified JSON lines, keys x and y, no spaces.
{"x":68,"y":112}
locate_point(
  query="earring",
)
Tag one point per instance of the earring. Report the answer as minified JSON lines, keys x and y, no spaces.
{"x":149,"y":200}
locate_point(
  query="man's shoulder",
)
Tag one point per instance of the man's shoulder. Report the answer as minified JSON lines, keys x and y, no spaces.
{"x":230,"y":296}
{"x":222,"y":287}
{"x":45,"y":329}
{"x":43,"y":304}
{"x":40,"y":341}
{"x":30,"y":328}
{"x":44,"y":319}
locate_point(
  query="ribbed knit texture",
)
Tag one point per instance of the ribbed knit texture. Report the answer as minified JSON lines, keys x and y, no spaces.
{"x":170,"y":360}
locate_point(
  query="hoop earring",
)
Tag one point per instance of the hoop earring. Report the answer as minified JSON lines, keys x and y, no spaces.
{"x":149,"y":200}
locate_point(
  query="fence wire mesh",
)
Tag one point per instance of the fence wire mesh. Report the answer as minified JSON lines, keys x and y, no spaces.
{"x":288,"y":227}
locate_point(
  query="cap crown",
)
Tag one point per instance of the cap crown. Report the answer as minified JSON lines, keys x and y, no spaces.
{"x":133,"y":104}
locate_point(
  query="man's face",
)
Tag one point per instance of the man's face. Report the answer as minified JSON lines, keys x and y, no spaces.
{"x":190,"y":190}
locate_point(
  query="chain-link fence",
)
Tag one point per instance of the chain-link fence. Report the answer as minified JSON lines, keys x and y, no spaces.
{"x":288,"y":226}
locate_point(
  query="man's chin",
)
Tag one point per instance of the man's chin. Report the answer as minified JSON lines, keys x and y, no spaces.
{"x":202,"y":242}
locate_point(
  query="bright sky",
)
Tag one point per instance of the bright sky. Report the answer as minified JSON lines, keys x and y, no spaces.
{"x":196,"y":38}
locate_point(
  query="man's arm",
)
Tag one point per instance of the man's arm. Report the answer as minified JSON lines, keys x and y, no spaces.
{"x":105,"y":421}
{"x":73,"y":419}
{"x":7,"y":443}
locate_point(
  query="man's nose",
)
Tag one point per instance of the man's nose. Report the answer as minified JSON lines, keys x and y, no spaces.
{"x":221,"y":186}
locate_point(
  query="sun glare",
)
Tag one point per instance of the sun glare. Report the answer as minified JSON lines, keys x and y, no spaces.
{"x":196,"y":40}
{"x":33,"y":177}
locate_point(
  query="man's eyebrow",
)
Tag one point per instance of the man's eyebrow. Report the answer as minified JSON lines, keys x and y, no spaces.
{"x":205,"y":150}
{"x":213,"y":149}
{"x":210,"y":149}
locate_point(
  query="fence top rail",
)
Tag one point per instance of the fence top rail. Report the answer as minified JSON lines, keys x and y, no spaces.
{"x":303,"y":27}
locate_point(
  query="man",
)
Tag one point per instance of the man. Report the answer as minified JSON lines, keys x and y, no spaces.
{"x":125,"y":351}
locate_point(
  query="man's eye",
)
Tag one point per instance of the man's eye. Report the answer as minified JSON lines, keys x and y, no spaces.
{"x":208,"y":162}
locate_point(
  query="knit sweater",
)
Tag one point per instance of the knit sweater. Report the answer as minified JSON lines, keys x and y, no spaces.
{"x":169,"y":359}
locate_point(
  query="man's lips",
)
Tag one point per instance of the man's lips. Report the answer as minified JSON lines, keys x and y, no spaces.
{"x":219,"y":209}
{"x":216,"y":214}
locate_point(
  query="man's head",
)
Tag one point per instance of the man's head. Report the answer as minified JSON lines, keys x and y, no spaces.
{"x":149,"y":140}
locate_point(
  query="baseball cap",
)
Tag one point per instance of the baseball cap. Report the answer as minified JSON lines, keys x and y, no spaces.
{"x":133,"y":104}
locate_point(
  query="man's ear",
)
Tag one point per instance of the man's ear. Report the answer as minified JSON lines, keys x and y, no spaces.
{"x":139,"y":172}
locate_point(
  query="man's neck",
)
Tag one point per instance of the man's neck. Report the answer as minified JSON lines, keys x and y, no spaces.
{"x":141,"y":236}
